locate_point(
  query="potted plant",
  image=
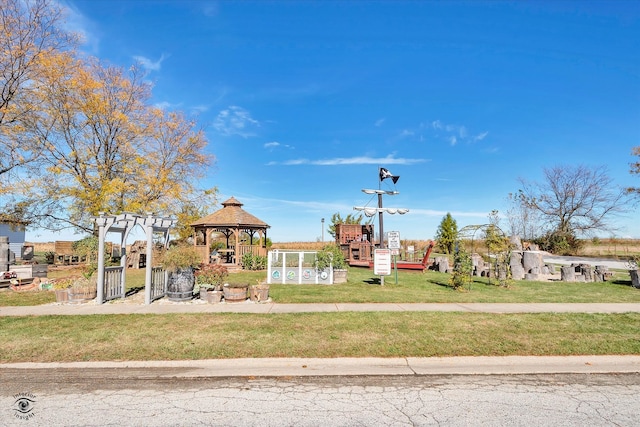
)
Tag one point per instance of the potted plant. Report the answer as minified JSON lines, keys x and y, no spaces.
{"x":83,"y":289}
{"x":180,"y":261}
{"x":259,"y":292}
{"x":235,"y":292}
{"x":61,"y":288}
{"x":209,"y":279}
{"x":331,"y":255}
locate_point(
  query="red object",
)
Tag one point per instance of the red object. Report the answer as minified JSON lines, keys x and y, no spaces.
{"x":409,"y":265}
{"x":10,"y":275}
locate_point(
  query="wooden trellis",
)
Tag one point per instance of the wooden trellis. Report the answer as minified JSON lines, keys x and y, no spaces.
{"x":123,"y":224}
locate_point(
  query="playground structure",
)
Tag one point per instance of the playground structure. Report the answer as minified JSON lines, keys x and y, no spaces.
{"x":356,"y":244}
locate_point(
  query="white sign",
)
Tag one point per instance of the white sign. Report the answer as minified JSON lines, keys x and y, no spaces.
{"x":394,"y":239}
{"x":382,"y":262}
{"x":411,"y":249}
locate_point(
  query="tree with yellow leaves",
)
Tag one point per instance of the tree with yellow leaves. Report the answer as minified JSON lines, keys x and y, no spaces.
{"x":29,"y":34}
{"x":105,"y":149}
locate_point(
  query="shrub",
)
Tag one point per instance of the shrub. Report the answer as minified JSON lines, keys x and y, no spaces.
{"x":330,"y":254}
{"x":253,"y":262}
{"x":212,"y":274}
{"x":462,"y":269}
{"x":179,"y":257}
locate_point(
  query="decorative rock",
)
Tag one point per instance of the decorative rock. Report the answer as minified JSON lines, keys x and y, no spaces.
{"x":530,"y":276}
{"x":635,"y":279}
{"x":601,"y":273}
{"x":517,"y":272}
{"x":531,"y":260}
{"x":568,"y":274}
{"x":443,"y":264}
{"x":516,"y":242}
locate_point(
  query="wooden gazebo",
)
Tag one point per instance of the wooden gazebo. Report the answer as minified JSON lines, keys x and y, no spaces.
{"x":230,"y":221}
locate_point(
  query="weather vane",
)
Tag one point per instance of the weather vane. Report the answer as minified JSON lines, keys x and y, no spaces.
{"x":371,"y":211}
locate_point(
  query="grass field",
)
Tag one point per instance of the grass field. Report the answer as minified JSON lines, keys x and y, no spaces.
{"x":412,"y":286}
{"x":370,"y":334}
{"x":361,"y":334}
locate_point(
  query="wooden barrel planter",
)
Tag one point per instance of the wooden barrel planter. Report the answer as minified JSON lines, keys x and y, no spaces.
{"x":235,"y":293}
{"x":259,"y":293}
{"x":82,"y":295}
{"x":62,"y":295}
{"x":180,"y":286}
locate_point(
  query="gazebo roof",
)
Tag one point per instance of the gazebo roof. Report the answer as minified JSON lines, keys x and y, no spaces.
{"x":231,"y":215}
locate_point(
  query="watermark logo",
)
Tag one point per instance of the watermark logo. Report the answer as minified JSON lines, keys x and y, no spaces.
{"x":23,"y":407}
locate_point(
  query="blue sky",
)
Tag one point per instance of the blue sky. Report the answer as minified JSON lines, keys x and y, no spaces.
{"x":303,"y":101}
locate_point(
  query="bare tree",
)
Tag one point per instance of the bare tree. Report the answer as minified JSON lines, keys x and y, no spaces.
{"x":523,"y":220}
{"x":574,"y":200}
{"x":635,"y":169}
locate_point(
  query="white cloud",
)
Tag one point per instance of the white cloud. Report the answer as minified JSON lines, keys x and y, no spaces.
{"x":481,"y":136}
{"x":456,"y":133}
{"x":236,"y":121}
{"x":148,"y":64}
{"x":431,"y":212}
{"x":77,"y":23}
{"x":380,"y":122}
{"x":276,"y":144}
{"x":358,"y":160}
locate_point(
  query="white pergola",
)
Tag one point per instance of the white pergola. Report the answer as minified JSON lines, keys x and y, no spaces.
{"x":123,"y":224}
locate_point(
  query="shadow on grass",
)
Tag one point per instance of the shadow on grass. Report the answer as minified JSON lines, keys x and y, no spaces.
{"x":621,"y":282}
{"x":133,"y":291}
{"x":469,"y":286}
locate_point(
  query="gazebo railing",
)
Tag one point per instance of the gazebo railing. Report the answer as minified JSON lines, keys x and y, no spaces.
{"x":249,"y":249}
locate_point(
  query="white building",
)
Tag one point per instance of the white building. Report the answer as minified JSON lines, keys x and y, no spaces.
{"x":16,"y":237}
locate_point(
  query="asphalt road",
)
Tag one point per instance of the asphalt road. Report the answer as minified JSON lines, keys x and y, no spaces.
{"x":160,"y":397}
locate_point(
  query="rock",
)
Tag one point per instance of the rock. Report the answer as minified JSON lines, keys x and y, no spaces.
{"x":635,"y":279}
{"x":568,"y":274}
{"x":517,"y":272}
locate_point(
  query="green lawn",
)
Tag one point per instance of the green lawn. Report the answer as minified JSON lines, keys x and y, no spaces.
{"x":364,"y":286}
{"x":368,"y":334}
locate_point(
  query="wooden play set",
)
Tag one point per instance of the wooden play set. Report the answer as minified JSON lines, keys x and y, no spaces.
{"x":357,"y":245}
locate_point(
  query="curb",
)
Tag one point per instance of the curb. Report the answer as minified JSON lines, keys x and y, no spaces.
{"x":297,"y":367}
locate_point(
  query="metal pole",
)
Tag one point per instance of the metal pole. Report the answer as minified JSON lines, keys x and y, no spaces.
{"x":380,"y":220}
{"x":322,"y":221}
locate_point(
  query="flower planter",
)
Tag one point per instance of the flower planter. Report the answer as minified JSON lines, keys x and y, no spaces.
{"x":210,"y":296}
{"x":62,"y":295}
{"x":180,"y":286}
{"x":339,"y":276}
{"x":235,"y":293}
{"x":82,"y":295}
{"x":259,"y":293}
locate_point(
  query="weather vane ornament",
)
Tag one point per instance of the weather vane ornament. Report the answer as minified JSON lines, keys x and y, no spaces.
{"x":384,"y":174}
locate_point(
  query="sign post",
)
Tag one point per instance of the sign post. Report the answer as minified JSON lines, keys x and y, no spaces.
{"x":394,"y":245}
{"x":382,"y":263}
